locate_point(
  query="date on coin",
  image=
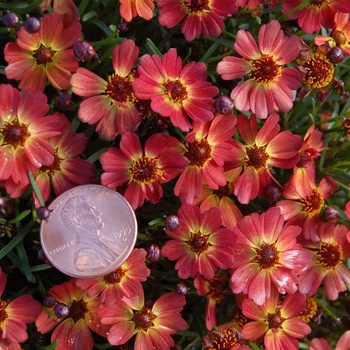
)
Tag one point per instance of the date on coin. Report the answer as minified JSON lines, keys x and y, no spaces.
{"x":91,"y":231}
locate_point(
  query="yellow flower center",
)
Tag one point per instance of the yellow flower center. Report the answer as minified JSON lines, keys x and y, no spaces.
{"x":265,"y":70}
{"x":176,"y":91}
{"x":319,"y":71}
{"x":221,"y":339}
{"x":120,"y":88}
{"x":196,"y":6}
{"x":319,"y":3}
{"x":310,"y":310}
{"x":198,"y":243}
{"x":114,"y":277}
{"x":3,"y":313}
{"x":15,"y":133}
{"x":329,"y":255}
{"x":43,"y":55}
{"x":198,"y":152}
{"x":267,"y":256}
{"x":144,"y":319}
{"x":146,"y":170}
{"x":313,"y":204}
{"x":257,"y":157}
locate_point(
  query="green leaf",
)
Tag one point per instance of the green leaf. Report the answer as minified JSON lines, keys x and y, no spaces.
{"x":152,"y":48}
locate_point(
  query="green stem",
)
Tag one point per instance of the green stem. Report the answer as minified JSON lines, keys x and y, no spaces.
{"x":35,"y":188}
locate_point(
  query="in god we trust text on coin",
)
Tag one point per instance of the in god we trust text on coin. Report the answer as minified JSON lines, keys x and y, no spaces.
{"x":91,"y":231}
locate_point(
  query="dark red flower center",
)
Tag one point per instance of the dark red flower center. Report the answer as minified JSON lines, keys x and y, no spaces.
{"x":257,"y":157}
{"x":216,"y":289}
{"x":319,"y":3}
{"x":43,"y":55}
{"x":114,"y":277}
{"x":3,"y":313}
{"x":275,"y":320}
{"x":313,"y":204}
{"x":146,"y":170}
{"x":198,"y":152}
{"x":144,"y":108}
{"x":77,"y":310}
{"x":267,"y":256}
{"x":144,"y":318}
{"x":329,"y":255}
{"x":319,"y":71}
{"x":196,"y":6}
{"x":198,"y":243}
{"x":54,"y":167}
{"x":120,"y":89}
{"x":14,"y":133}
{"x":265,"y":70}
{"x":223,"y":191}
{"x":175,"y":90}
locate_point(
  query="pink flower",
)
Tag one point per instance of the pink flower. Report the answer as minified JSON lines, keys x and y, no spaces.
{"x":315,"y":14}
{"x":269,"y":86}
{"x":151,"y":325}
{"x":200,"y":245}
{"x":265,"y":149}
{"x":124,"y":281}
{"x":14,"y":316}
{"x":278,"y":324}
{"x":132,"y":8}
{"x":110,"y":104}
{"x":68,"y":168}
{"x":322,"y":344}
{"x":198,"y":17}
{"x":267,"y":256}
{"x":142,"y":172}
{"x":72,"y":314}
{"x":34,"y":58}
{"x":328,"y":255}
{"x":24,"y":130}
{"x":174,"y":91}
{"x":207,"y":149}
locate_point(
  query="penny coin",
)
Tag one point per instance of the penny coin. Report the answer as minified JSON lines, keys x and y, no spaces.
{"x":91,"y":230}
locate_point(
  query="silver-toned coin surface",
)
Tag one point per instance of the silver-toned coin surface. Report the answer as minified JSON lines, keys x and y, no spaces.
{"x":91,"y":231}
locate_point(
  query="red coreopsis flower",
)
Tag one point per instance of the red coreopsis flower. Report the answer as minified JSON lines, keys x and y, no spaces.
{"x":304,"y":200}
{"x":265,"y":149}
{"x":198,"y":16}
{"x":124,"y":281}
{"x":316,"y":13}
{"x":207,"y":148}
{"x":277,"y":322}
{"x":62,"y":7}
{"x":267,"y":256}
{"x":142,"y":172}
{"x":67,"y":169}
{"x":213,"y":289}
{"x":110,"y":104}
{"x":132,"y":8}
{"x":311,"y":147}
{"x":24,"y":130}
{"x":151,"y":325}
{"x":72,"y":313}
{"x":270,"y":85}
{"x":174,"y":91}
{"x":222,"y":199}
{"x":14,"y":316}
{"x":257,"y":5}
{"x":328,"y":255}
{"x":340,"y":34}
{"x":200,"y":245}
{"x":34,"y":58}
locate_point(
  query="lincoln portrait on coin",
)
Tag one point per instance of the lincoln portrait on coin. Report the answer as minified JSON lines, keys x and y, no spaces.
{"x":93,"y":250}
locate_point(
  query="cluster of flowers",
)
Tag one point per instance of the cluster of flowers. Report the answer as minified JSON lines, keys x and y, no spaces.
{"x":216,"y":153}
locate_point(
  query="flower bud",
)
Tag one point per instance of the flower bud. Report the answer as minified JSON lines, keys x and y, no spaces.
{"x":153,"y":253}
{"x":84,"y":51}
{"x":330,"y":214}
{"x":32,"y":25}
{"x":49,"y":301}
{"x":336,"y":55}
{"x":273,"y":192}
{"x":224,"y":105}
{"x":43,"y":213}
{"x":172,"y":222}
{"x":61,"y":310}
{"x":10,"y":19}
{"x":63,"y":100}
{"x":182,"y":288}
